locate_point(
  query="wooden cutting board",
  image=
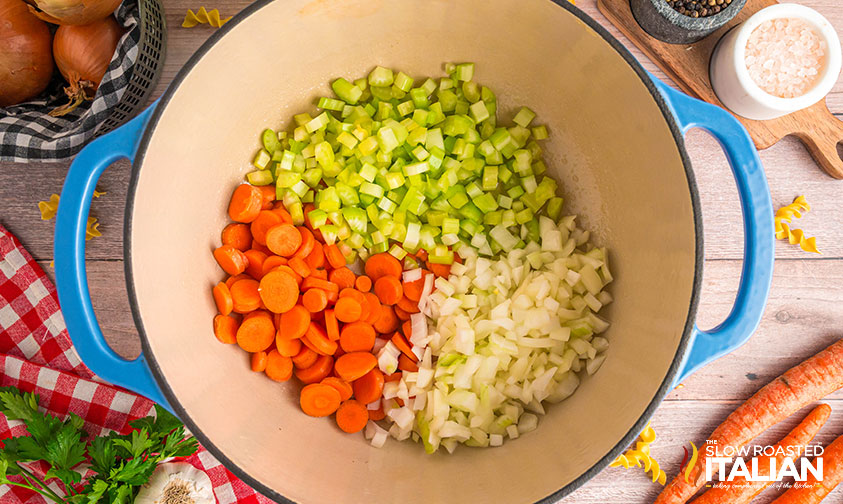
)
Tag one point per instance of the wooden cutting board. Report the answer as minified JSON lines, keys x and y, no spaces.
{"x":687,"y":66}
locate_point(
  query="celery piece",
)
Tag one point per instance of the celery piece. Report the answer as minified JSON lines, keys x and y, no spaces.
{"x":397,"y":252}
{"x":411,"y":239}
{"x":302,"y":119}
{"x":419,"y":98}
{"x":328,"y":199}
{"x":490,"y":178}
{"x":493,"y":218}
{"x":500,"y":138}
{"x":287,"y":179}
{"x":539,"y":167}
{"x":324,"y":155}
{"x":462,"y":107}
{"x":262,"y":159}
{"x":403,"y":82}
{"x":259,"y":177}
{"x":448,"y":101}
{"x":540,"y":132}
{"x":450,"y":225}
{"x":355,"y":218}
{"x":405,"y":108}
{"x":508,"y":218}
{"x":346,"y":91}
{"x":329,"y":233}
{"x":471,"y":227}
{"x":416,"y":168}
{"x":473,"y":190}
{"x":330,"y":104}
{"x":381,"y":77}
{"x":471,"y":91}
{"x":478,"y":111}
{"x":524,"y":216}
{"x":458,"y":198}
{"x":317,"y":123}
{"x":495,"y":157}
{"x":347,"y":195}
{"x":504,"y":202}
{"x":387,"y":205}
{"x":370,"y":189}
{"x":347,"y":139}
{"x":421,"y":154}
{"x":412,"y":201}
{"x":524,"y":117}
{"x":554,"y":208}
{"x":417,"y":136}
{"x":464,"y":71}
{"x":429,"y":86}
{"x":485,"y":202}
{"x":515,"y":192}
{"x":270,"y":142}
{"x":470,"y":211}
{"x":487,"y":95}
{"x":368,"y":172}
{"x":523,"y":161}
{"x":533,"y":230}
{"x":529,"y":183}
{"x":396,"y":92}
{"x":387,"y":140}
{"x":368,"y":146}
{"x":384,"y":111}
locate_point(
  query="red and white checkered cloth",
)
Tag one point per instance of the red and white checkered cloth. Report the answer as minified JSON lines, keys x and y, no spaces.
{"x":37,"y":355}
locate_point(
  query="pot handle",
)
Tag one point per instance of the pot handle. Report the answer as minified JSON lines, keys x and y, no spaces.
{"x":759,"y":243}
{"x":69,"y":251}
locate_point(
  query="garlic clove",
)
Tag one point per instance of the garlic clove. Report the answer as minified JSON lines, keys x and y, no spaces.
{"x":177,"y":483}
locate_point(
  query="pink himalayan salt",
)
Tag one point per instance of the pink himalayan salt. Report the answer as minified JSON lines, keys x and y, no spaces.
{"x":785,"y":57}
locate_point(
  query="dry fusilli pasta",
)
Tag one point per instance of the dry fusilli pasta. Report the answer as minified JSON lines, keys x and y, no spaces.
{"x":785,"y":215}
{"x":202,"y":16}
{"x":640,"y":456}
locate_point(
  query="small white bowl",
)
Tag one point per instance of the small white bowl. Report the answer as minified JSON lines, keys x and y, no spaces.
{"x":734,"y":86}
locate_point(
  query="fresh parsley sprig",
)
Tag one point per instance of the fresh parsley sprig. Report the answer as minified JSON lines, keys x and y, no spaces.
{"x":122,"y":462}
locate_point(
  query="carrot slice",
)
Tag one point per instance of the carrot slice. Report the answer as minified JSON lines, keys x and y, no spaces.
{"x":374,"y":308}
{"x":406,"y":364}
{"x":305,"y":358}
{"x":245,"y":296}
{"x":317,"y":338}
{"x":331,"y":325}
{"x":299,"y":266}
{"x":355,"y":294}
{"x":399,"y":341}
{"x":377,"y":414}
{"x":278,"y":367}
{"x":316,"y":258}
{"x":363,"y":283}
{"x":319,"y":273}
{"x":343,"y":277}
{"x":286,"y":346}
{"x":352,"y":416}
{"x":293,"y":323}
{"x":407,"y":329}
{"x":225,"y":329}
{"x":256,"y":332}
{"x":334,"y":256}
{"x":318,"y":283}
{"x":282,"y":212}
{"x":357,"y":337}
{"x":261,"y":248}
{"x":256,"y":259}
{"x":245,"y":204}
{"x":348,"y":309}
{"x":265,"y":220}
{"x":369,"y":387}
{"x":285,"y":268}
{"x":440,"y":270}
{"x":272,"y":262}
{"x":389,"y":290}
{"x":353,"y":365}
{"x":317,"y":371}
{"x":230,"y":280}
{"x":308,"y":242}
{"x":318,"y":400}
{"x":341,"y":385}
{"x":267,"y":195}
{"x":383,"y":264}
{"x":279,"y":291}
{"x":283,"y":239}
{"x":393,"y":377}
{"x":258,"y":362}
{"x":222,"y":298}
{"x":401,"y":314}
{"x":387,"y":321}
{"x":408,"y":306}
{"x":315,"y":300}
{"x":413,"y":290}
{"x":237,"y":235}
{"x":231,"y":260}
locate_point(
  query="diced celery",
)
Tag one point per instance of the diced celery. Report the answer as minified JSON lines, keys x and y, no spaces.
{"x":287,"y":179}
{"x":524,"y":117}
{"x":479,"y":112}
{"x":262,"y":159}
{"x":464,"y":71}
{"x":554,"y":207}
{"x":403,"y":82}
{"x":346,"y":91}
{"x":540,"y":132}
{"x":259,"y":177}
{"x":270,"y":141}
{"x":381,"y":77}
{"x":331,"y":104}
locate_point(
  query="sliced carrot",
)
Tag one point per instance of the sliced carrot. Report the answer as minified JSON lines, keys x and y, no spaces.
{"x":299,"y":266}
{"x":387,"y":321}
{"x":225,"y":329}
{"x":222,"y":298}
{"x":421,"y":255}
{"x":341,"y":385}
{"x":334,"y":256}
{"x":245,"y":296}
{"x":413,"y":290}
{"x":283,"y":213}
{"x":389,"y":290}
{"x":374,"y":308}
{"x":305,"y":358}
{"x":265,"y":220}
{"x":230,"y":280}
{"x":285,"y":268}
{"x":245,"y":204}
{"x":355,"y":294}
{"x":383,"y":264}
{"x":231,"y":260}
{"x":256,"y":332}
{"x":318,"y":339}
{"x":812,"y":490}
{"x":369,"y":387}
{"x":393,"y":377}
{"x":408,"y":306}
{"x":343,"y":277}
{"x":318,"y":400}
{"x":237,"y":235}
{"x":406,"y":364}
{"x":279,"y":291}
{"x":315,"y":300}
{"x":363,"y":283}
{"x":316,"y":258}
{"x":318,"y":283}
{"x":352,"y":416}
{"x":376,"y":414}
{"x":319,"y":273}
{"x":331,"y":325}
{"x":407,"y":329}
{"x":278,"y":367}
{"x":317,"y":371}
{"x":357,"y":337}
{"x":353,"y":365}
{"x":401,"y":314}
{"x":348,"y":309}
{"x":293,"y":323}
{"x":261,"y":248}
{"x":440,"y":270}
{"x":267,"y":196}
{"x":258,"y":362}
{"x":310,"y":345}
{"x":288,"y":347}
{"x":256,"y":259}
{"x":308,"y":242}
{"x":399,"y":341}
{"x":272,"y":262}
{"x":283,"y":239}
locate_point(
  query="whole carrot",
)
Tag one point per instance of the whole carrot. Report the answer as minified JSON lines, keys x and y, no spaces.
{"x":739,"y":490}
{"x":812,"y":491}
{"x":803,"y":384}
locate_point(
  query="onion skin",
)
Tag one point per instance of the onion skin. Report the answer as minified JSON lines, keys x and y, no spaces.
{"x":74,"y":12}
{"x":26,"y":61}
{"x":83,"y":53}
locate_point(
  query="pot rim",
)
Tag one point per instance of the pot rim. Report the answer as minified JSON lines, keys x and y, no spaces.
{"x":666,"y":385}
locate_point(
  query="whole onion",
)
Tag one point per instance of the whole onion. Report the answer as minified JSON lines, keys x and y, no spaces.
{"x":26,"y":62}
{"x":74,"y":12}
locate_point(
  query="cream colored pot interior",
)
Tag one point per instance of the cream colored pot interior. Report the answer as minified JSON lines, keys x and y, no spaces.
{"x":610,"y":147}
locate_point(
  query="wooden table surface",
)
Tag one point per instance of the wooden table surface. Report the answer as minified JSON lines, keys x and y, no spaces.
{"x":804,"y":314}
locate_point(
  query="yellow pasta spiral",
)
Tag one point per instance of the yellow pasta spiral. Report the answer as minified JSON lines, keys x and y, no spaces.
{"x":202,"y":16}
{"x":50,"y":207}
{"x":640,"y":456}
{"x":785,"y":215}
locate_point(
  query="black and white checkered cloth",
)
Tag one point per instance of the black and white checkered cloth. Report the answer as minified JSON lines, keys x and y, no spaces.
{"x":28,"y":133}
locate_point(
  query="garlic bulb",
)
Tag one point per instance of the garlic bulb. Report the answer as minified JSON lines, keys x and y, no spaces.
{"x":177,"y":483}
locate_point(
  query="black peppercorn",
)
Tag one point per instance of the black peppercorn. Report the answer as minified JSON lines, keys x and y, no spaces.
{"x":698,"y":8}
